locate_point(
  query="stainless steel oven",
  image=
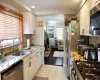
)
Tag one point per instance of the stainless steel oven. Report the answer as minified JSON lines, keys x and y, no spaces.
{"x":15,"y":72}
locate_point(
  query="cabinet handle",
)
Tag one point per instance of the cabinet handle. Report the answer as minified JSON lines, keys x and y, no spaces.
{"x":41,"y":53}
{"x":36,"y":55}
{"x":29,"y":64}
{"x":34,"y":31}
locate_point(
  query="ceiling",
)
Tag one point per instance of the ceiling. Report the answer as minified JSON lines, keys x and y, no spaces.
{"x":54,"y":5}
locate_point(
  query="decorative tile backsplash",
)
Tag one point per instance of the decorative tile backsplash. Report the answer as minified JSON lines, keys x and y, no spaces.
{"x":95,"y":39}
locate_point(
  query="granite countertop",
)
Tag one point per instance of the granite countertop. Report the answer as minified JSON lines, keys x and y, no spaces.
{"x":11,"y":59}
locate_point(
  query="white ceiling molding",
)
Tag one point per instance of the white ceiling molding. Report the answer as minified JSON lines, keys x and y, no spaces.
{"x":52,"y":12}
{"x":83,"y":1}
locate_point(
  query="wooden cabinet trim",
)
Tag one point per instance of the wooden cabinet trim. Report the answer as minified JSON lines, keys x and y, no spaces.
{"x":10,"y":12}
{"x":13,"y":13}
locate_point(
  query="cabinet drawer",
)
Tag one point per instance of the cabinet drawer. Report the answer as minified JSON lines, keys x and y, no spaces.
{"x":27,"y":58}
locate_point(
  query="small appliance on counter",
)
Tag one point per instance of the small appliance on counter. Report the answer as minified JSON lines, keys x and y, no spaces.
{"x":82,"y":42}
{"x":97,"y":49}
{"x":28,"y":43}
{"x":98,"y":54}
{"x":83,"y":48}
{"x":90,"y":54}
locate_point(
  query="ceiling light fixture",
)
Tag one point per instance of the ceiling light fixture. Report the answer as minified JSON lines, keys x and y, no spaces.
{"x":33,"y":6}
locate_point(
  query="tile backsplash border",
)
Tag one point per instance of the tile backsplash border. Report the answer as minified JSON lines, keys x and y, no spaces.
{"x":94,"y":39}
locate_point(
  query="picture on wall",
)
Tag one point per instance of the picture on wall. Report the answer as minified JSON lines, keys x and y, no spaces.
{"x":40,"y":23}
{"x":51,"y":35}
{"x":51,"y":31}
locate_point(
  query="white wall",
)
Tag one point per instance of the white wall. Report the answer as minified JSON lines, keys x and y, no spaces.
{"x":38,"y":38}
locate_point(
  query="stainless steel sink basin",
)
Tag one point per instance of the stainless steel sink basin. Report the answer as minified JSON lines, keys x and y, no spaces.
{"x":21,"y":53}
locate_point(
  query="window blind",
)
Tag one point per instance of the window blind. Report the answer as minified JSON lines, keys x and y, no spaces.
{"x":10,"y":27}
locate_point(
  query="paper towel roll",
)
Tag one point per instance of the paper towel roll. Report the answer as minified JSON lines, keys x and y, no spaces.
{"x":28,"y":43}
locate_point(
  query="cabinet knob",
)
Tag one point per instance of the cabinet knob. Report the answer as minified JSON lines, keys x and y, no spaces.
{"x":30,"y":57}
{"x":29,"y":64}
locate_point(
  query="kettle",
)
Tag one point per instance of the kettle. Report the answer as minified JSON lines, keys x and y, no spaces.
{"x":86,"y":53}
{"x":90,"y":54}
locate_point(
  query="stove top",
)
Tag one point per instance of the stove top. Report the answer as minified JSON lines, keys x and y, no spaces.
{"x":89,"y":70}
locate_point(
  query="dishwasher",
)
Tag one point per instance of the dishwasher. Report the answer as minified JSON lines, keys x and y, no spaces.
{"x":15,"y":72}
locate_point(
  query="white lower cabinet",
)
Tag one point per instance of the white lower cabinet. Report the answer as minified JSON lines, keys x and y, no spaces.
{"x":29,"y":68}
{"x":26,"y":71}
{"x":35,"y":63}
{"x":41,"y":55}
{"x":32,"y":63}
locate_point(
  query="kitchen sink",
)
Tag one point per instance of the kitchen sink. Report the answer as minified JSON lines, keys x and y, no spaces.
{"x":22,"y":53}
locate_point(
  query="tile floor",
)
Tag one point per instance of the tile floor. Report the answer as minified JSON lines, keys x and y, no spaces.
{"x":52,"y":72}
{"x":55,"y":58}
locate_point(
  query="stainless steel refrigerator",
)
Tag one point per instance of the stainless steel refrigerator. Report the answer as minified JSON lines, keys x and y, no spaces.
{"x":72,"y":35}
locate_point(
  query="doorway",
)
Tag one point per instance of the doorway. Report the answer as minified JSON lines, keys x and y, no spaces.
{"x":53,"y":39}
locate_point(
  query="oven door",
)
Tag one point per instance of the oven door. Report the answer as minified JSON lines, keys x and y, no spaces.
{"x":72,"y":74}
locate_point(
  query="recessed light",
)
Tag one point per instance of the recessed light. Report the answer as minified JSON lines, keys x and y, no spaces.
{"x":33,"y":6}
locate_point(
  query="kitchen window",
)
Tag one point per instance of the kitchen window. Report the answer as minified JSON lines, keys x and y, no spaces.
{"x":11,"y":27}
{"x":59,"y":33}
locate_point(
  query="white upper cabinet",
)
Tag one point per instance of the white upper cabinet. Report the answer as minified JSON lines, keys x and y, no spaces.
{"x":82,"y":21}
{"x":29,"y":21}
{"x":85,"y":18}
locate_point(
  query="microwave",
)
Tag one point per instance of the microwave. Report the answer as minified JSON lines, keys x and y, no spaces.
{"x":95,"y":20}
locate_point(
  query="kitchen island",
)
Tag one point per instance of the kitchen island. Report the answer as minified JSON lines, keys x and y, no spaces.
{"x":32,"y":60}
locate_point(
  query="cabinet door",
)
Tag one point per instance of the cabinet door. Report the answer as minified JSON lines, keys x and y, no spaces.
{"x":33,"y":22}
{"x":39,"y":58}
{"x":42,"y":55}
{"x":26,"y":72}
{"x":34,"y":64}
{"x":87,"y":17}
{"x":82,"y":20}
{"x":29,"y":23}
{"x":30,"y":69}
{"x":26,"y":21}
